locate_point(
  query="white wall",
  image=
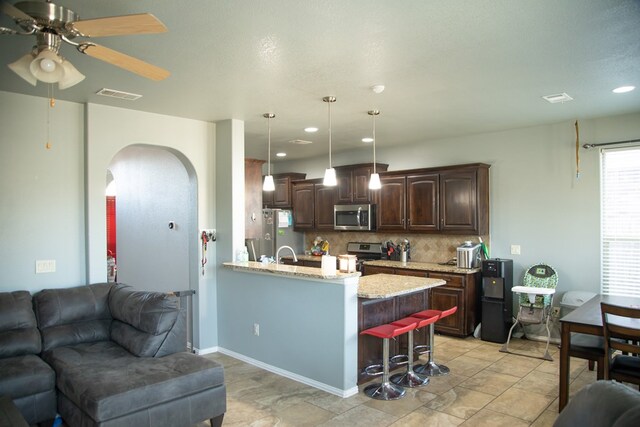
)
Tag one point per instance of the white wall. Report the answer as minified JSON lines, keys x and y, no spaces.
{"x":536,"y":200}
{"x":41,"y":193}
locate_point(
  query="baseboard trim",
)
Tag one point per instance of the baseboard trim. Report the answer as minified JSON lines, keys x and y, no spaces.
{"x":293,"y":376}
{"x":209,"y":350}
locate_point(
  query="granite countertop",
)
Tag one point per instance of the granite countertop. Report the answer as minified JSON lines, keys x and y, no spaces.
{"x":287,"y":270}
{"x":391,"y":285}
{"x":416,"y":265}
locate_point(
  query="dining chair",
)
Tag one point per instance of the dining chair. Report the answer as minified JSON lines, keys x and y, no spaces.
{"x":621,"y":323}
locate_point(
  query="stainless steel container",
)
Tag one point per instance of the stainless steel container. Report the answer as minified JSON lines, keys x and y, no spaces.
{"x":468,"y":255}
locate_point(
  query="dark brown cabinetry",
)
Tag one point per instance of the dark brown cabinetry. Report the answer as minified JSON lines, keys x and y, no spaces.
{"x":312,"y":205}
{"x":452,"y":200}
{"x":282,"y":197}
{"x":324,"y":201}
{"x":353,"y":182}
{"x":461,"y":290}
{"x":252,"y":198}
{"x":391,"y":202}
{"x":303,"y":195}
{"x":316,"y":213}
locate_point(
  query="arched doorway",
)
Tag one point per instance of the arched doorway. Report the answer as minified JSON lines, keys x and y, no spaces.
{"x":156,"y":218}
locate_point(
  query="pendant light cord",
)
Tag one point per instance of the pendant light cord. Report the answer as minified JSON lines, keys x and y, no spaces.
{"x":374,"y":143}
{"x":329,"y":134}
{"x":269,"y":148}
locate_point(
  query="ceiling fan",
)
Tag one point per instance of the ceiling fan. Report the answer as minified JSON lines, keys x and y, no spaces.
{"x":53,"y":24}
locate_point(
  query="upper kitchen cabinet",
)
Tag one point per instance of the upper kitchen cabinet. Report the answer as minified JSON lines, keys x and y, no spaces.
{"x":391,"y":201}
{"x":303,"y":195}
{"x":450,"y":200}
{"x":282,"y":196}
{"x":353,"y":182}
{"x":464,"y":200}
{"x":422,"y":202}
{"x":312,"y":205}
{"x":324,"y":200}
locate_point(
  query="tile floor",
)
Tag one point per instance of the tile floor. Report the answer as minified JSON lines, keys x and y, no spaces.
{"x":485,"y":388}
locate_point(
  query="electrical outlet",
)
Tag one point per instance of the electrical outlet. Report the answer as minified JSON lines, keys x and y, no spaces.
{"x":256,"y":329}
{"x":515,"y":249}
{"x":555,"y":311}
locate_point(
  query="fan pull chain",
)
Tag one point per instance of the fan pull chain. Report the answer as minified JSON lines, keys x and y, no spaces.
{"x":52,"y":103}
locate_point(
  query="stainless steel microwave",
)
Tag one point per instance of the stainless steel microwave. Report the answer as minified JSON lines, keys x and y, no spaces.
{"x":354,"y":217}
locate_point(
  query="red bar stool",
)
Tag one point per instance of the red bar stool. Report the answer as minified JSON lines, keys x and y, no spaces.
{"x":385,"y":390}
{"x":431,"y":369}
{"x":411,"y":378}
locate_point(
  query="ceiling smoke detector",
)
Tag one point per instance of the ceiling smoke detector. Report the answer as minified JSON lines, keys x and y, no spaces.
{"x":558,"y":97}
{"x":300,"y":142}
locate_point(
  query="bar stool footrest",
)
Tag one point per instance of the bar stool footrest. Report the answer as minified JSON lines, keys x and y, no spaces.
{"x":422,"y":349}
{"x":374,"y":370}
{"x":399,"y":359}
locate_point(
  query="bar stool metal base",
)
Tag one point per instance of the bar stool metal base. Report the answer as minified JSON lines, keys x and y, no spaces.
{"x":384,"y":391}
{"x":409,"y":379}
{"x":431,"y":369}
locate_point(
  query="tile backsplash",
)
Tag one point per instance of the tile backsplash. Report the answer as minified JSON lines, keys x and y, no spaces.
{"x":424,"y":247}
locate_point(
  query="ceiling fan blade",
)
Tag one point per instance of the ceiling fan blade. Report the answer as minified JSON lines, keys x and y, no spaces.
{"x":15,"y":13}
{"x":127,"y":62}
{"x":143,"y":23}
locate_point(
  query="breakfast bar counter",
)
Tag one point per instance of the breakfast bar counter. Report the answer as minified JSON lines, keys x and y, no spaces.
{"x":384,"y":298}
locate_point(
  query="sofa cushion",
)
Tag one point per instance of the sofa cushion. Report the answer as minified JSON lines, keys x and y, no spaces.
{"x":142,"y":320}
{"x":73,"y":315}
{"x":25,"y":375}
{"x":107,"y":382}
{"x":18,"y":332}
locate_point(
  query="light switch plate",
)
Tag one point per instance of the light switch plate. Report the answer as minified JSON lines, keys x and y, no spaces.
{"x":45,"y":266}
{"x":515,"y":249}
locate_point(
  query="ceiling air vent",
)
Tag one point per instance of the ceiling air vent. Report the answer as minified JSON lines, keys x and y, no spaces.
{"x":118,"y":94}
{"x":300,"y":142}
{"x":558,"y":97}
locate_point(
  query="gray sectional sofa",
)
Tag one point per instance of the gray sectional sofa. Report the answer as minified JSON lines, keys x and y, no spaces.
{"x":105,"y":355}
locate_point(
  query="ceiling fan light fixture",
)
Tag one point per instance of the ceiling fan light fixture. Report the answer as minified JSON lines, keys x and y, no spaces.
{"x":71,"y":75}
{"x":47,"y":67}
{"x":21,"y":68}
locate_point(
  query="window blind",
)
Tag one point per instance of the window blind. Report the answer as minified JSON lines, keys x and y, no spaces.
{"x":620,"y":216}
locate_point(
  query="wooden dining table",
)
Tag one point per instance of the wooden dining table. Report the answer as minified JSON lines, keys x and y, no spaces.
{"x":586,"y":319}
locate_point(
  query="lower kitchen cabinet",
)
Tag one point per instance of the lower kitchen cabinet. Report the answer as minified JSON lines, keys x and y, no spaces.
{"x":461,"y":290}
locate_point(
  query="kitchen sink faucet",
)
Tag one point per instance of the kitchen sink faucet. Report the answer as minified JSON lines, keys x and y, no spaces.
{"x":295,"y":259}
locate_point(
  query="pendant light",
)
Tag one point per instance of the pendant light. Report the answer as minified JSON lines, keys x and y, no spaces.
{"x":268,"y":184}
{"x":330,"y":173}
{"x":374,"y":181}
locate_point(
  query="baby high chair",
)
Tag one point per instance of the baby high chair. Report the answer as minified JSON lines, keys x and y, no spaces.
{"x":536,"y":299}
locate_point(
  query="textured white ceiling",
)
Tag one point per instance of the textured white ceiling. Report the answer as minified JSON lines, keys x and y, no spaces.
{"x":450,"y":67}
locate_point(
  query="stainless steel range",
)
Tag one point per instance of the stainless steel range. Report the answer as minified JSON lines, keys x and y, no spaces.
{"x":364,"y":251}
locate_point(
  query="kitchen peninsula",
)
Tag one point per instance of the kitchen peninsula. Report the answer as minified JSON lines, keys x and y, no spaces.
{"x":304,"y":325}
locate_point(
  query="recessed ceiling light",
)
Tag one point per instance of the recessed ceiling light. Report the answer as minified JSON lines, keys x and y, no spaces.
{"x":558,"y":97}
{"x":311,"y":129}
{"x":367,"y":139}
{"x":623,"y":89}
{"x":281,"y":154}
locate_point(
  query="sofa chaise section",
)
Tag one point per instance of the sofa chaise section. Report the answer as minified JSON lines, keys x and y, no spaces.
{"x":120,"y":360}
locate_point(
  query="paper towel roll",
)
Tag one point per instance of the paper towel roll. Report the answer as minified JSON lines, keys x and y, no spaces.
{"x":328,"y":265}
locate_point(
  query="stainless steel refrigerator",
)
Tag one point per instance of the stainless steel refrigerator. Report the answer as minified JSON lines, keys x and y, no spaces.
{"x":277,"y":230}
